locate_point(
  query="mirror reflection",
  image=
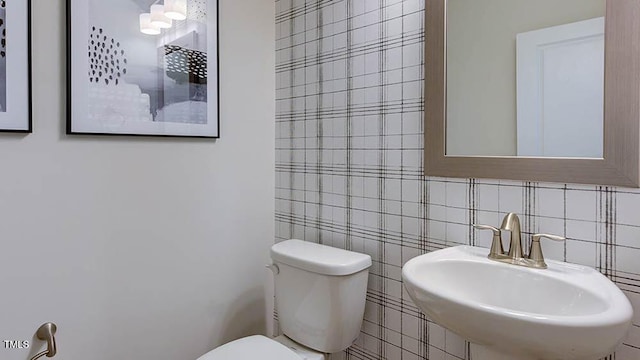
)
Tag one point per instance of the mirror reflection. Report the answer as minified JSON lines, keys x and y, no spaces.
{"x":525,"y":78}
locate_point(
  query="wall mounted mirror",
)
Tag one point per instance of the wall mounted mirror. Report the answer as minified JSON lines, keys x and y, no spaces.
{"x":539,"y":90}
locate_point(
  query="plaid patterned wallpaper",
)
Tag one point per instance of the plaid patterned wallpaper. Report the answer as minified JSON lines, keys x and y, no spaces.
{"x":349,"y":173}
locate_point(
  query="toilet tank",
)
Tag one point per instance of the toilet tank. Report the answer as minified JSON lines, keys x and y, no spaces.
{"x":320,"y":293}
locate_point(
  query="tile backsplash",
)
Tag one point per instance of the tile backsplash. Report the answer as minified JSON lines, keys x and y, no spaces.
{"x":349,"y":173}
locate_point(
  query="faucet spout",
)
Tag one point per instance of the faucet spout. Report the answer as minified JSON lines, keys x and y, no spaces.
{"x":511,"y":223}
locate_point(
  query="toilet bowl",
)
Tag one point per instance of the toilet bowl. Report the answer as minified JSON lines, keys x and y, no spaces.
{"x":320,"y":294}
{"x":263,"y":348}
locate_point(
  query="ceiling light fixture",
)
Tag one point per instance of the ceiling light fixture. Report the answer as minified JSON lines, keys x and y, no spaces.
{"x":146,"y":27}
{"x":158,"y":18}
{"x":175,"y":9}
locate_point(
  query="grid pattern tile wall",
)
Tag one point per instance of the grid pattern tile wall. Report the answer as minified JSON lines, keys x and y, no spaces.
{"x":349,"y":173}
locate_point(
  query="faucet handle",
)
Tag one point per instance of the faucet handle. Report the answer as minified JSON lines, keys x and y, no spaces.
{"x":496,"y":244}
{"x":535,"y":252}
{"x":487,"y":227}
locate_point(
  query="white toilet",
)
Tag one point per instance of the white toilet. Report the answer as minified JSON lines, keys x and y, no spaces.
{"x":320,"y":295}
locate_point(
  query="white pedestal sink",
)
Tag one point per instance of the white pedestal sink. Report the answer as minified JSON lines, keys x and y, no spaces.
{"x":508,"y":312}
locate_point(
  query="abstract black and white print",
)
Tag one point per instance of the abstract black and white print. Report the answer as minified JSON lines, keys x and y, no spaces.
{"x":3,"y":56}
{"x":145,"y":79}
{"x":15,"y":61}
{"x":150,"y":91}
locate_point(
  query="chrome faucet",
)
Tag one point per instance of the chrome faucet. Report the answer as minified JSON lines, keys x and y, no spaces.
{"x":516,"y":256}
{"x":511,"y":223}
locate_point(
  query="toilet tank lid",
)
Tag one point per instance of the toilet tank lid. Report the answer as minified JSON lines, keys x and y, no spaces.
{"x":320,"y":259}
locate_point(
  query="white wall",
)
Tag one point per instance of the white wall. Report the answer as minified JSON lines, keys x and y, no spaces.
{"x":481,"y":66}
{"x":140,"y":248}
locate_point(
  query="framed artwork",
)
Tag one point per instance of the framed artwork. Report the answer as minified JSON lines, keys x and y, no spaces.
{"x":15,"y":66}
{"x":143,"y":67}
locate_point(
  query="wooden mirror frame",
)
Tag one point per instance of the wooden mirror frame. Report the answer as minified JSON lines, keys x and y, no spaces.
{"x":621,"y":163}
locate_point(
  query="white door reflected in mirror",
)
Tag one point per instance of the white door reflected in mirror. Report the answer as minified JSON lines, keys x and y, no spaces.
{"x":560,"y":90}
{"x":525,"y":78}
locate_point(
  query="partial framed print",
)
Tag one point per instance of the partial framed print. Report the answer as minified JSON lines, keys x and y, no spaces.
{"x":143,"y":67}
{"x":15,"y":66}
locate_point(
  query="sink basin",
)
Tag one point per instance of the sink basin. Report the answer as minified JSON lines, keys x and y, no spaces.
{"x":510,"y":312}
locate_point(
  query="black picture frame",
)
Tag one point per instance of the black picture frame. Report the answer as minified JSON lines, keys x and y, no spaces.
{"x":189,"y":127}
{"x":16,"y":110}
